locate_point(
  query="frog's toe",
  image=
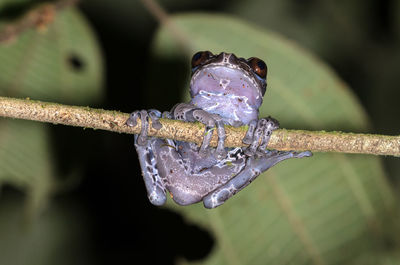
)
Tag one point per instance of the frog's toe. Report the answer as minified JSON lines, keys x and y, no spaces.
{"x":144,"y":118}
{"x":261,"y":135}
{"x":132,"y":120}
{"x":155,"y":115}
{"x":268,"y":125}
{"x":220,"y":153}
{"x":142,"y":138}
{"x":290,"y":154}
{"x":167,"y":115}
{"x":302,"y":154}
{"x":157,"y":198}
{"x":248,"y":138}
{"x":206,"y":140}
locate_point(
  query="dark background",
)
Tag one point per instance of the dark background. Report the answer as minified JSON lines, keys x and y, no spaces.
{"x":359,"y":39}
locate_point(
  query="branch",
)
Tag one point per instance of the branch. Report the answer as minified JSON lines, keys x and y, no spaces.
{"x":317,"y":141}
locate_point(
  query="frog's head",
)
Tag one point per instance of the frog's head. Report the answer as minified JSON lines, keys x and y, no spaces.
{"x":230,"y":76}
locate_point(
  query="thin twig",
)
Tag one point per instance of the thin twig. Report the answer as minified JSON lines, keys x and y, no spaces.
{"x":317,"y":141}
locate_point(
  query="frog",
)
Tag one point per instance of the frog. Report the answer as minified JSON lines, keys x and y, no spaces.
{"x":224,"y":90}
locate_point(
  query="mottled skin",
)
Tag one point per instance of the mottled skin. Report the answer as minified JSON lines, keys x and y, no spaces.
{"x":224,"y":90}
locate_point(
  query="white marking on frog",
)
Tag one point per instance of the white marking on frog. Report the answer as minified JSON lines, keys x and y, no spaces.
{"x":224,"y":83}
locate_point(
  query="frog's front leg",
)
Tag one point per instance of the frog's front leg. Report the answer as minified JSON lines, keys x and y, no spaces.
{"x":191,"y":113}
{"x":155,"y":188}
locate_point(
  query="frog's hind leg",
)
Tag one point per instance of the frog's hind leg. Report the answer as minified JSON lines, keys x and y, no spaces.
{"x":144,"y":147}
{"x":155,"y":188}
{"x":255,"y":165}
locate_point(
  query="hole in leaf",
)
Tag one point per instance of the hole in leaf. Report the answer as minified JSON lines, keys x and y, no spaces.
{"x":76,"y":62}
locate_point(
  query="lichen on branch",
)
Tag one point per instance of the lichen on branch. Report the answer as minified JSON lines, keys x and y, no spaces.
{"x":281,"y":139}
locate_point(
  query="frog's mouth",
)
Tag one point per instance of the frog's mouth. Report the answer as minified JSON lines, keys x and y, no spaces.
{"x":227,"y":80}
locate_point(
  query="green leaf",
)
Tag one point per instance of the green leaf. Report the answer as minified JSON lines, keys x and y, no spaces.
{"x":25,"y":160}
{"x":61,"y":64}
{"x":60,"y":236}
{"x":328,"y":209}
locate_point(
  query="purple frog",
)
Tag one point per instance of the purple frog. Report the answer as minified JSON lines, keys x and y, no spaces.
{"x":224,"y":89}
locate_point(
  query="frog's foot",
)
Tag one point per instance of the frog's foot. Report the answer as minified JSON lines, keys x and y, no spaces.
{"x":258,"y":135}
{"x":220,"y":151}
{"x":214,"y":123}
{"x":288,"y":154}
{"x":167,"y":115}
{"x":188,"y":112}
{"x":144,"y":117}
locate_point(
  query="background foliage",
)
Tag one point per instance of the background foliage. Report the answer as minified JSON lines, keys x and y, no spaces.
{"x":84,"y":200}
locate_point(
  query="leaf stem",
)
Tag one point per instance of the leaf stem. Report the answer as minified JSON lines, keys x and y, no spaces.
{"x":281,"y":139}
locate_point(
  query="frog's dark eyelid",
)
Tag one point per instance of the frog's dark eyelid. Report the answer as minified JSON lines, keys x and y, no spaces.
{"x":197,"y":56}
{"x":200,"y":58}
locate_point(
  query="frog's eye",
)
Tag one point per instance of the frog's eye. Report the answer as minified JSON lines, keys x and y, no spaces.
{"x":200,"y":58}
{"x":258,"y":66}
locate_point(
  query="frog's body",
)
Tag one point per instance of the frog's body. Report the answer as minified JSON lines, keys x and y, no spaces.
{"x":224,"y":90}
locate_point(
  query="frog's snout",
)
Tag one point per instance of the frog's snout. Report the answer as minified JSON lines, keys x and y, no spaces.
{"x":228,"y":58}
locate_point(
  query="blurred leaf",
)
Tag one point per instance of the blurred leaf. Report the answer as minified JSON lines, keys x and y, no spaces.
{"x":328,"y":209}
{"x":6,"y":3}
{"x":25,"y":159}
{"x":60,"y":236}
{"x":384,"y":258}
{"x":61,"y":64}
{"x":314,"y":24}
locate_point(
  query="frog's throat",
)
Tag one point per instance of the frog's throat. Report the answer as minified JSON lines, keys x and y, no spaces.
{"x":228,"y":81}
{"x":233,"y":109}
